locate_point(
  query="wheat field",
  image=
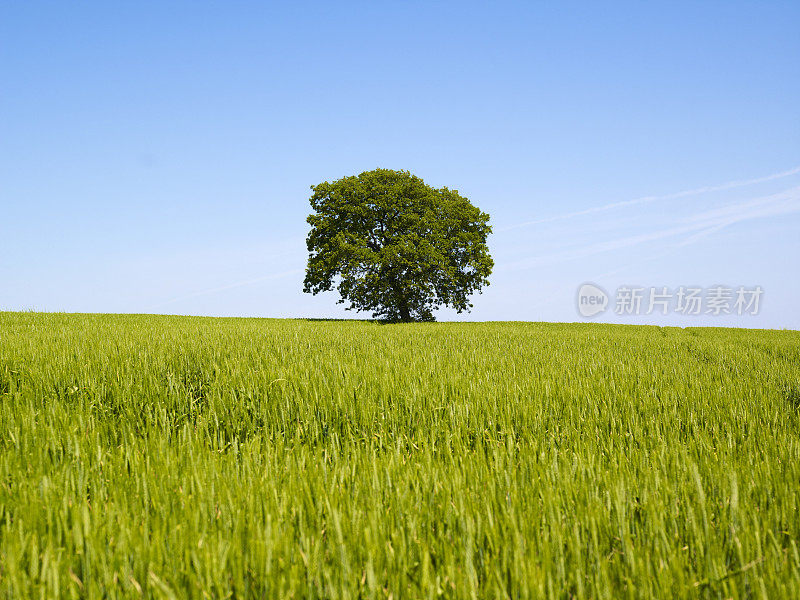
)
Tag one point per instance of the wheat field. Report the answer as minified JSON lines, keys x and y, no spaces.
{"x":184,"y":457}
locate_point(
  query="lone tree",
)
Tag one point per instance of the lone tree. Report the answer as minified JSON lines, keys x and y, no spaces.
{"x":395,"y":246}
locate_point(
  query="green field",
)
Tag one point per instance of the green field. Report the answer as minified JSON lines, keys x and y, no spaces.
{"x":235,"y":458}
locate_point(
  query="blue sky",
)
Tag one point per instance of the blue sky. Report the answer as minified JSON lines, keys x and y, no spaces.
{"x":157,"y":157}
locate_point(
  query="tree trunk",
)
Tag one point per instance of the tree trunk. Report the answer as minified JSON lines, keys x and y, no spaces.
{"x":402,"y":304}
{"x":405,"y":316}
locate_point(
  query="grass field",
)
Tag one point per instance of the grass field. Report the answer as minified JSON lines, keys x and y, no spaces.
{"x":172,"y":457}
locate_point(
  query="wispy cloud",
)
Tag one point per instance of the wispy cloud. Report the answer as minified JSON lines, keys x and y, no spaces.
{"x":648,"y":199}
{"x":700,"y":225}
{"x":230,"y":286}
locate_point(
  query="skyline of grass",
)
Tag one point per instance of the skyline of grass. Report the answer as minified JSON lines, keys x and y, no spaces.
{"x":174,"y":456}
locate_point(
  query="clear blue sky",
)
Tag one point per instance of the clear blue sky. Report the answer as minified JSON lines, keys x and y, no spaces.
{"x":157,"y":157}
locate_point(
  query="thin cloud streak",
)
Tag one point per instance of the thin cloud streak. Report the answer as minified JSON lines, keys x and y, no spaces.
{"x":700,"y":224}
{"x":648,"y":199}
{"x":231,"y":286}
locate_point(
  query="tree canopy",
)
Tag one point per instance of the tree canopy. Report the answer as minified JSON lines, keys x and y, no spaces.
{"x":392,"y":245}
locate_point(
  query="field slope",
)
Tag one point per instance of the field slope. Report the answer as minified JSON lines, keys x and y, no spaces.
{"x":189,"y":457}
